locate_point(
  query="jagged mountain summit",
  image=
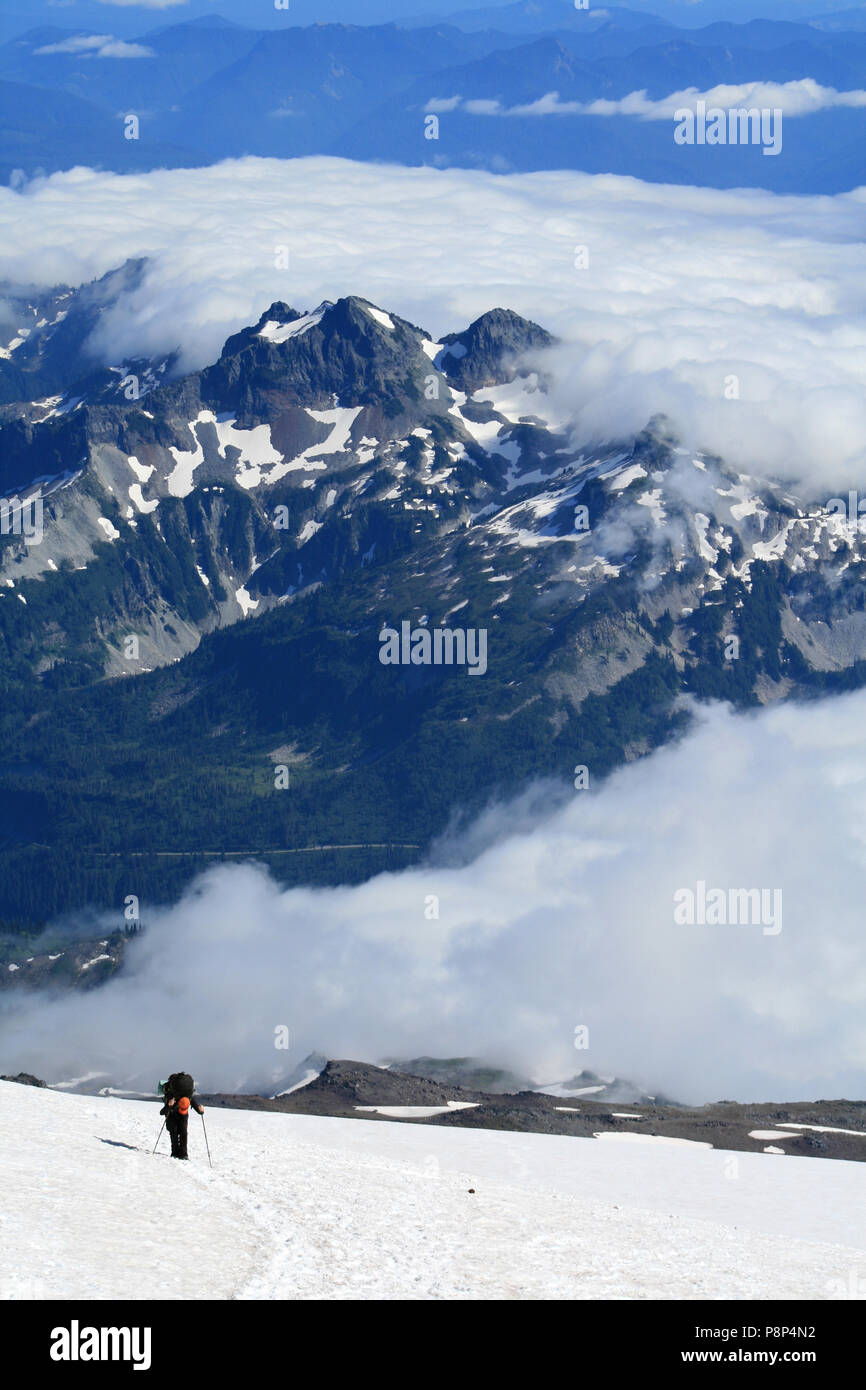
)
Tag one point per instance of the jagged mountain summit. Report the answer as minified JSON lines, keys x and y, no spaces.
{"x":331,"y":440}
{"x":238,"y":539}
{"x":342,"y":412}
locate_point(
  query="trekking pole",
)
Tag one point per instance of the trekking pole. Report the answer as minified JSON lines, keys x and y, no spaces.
{"x":158,"y":1137}
{"x":206,"y":1144}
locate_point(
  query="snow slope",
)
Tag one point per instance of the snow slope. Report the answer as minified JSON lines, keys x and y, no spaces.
{"x":308,"y":1207}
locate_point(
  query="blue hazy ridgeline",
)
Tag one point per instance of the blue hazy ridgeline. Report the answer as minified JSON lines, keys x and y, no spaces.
{"x":206,"y":87}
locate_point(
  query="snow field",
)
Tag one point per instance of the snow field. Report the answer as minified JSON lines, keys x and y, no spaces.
{"x":308,"y":1207}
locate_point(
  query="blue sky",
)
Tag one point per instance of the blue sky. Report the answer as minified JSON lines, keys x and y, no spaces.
{"x":124,"y":18}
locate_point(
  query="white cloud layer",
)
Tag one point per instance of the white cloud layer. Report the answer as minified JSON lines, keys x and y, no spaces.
{"x":563,"y":916}
{"x":97,"y":46}
{"x":684,"y":289}
{"x":803,"y":97}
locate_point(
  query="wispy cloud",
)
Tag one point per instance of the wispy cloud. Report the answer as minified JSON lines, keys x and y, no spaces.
{"x":97,"y":46}
{"x":803,"y":97}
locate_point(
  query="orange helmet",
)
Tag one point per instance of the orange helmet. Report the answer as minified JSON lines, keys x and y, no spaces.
{"x":183,"y":1105}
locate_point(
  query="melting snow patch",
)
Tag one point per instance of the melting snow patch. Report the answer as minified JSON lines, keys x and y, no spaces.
{"x":380,"y":316}
{"x":111,"y":532}
{"x":255,"y":449}
{"x":628,"y":1136}
{"x":418,"y":1112}
{"x":775,"y":548}
{"x":141,"y":471}
{"x":564,"y":1093}
{"x":750,"y":506}
{"x":822,"y":1129}
{"x":517,"y":399}
{"x":305,"y":1080}
{"x":281,"y":332}
{"x":653,"y":501}
{"x":247,"y":604}
{"x":627,"y":476}
{"x":706,"y":551}
{"x":10,"y":347}
{"x":180,"y":479}
{"x":341,"y":419}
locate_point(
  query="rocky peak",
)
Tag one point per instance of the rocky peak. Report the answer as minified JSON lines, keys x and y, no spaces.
{"x":487,"y":352}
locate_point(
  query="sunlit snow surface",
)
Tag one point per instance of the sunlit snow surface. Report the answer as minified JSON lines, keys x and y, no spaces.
{"x":306,"y":1207}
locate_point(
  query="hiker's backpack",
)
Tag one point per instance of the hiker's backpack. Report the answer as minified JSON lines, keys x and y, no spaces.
{"x":180,"y":1083}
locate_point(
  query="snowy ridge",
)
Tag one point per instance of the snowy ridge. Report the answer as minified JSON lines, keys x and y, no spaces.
{"x":363,"y":432}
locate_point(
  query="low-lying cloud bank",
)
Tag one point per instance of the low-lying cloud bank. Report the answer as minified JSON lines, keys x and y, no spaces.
{"x":802,"y":97}
{"x":739,"y":314}
{"x":559,"y":919}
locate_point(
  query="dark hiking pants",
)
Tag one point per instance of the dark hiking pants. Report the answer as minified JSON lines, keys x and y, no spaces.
{"x":177,"y":1126}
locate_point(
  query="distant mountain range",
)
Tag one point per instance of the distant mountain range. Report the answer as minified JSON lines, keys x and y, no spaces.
{"x":206,"y":91}
{"x":221,"y":552}
{"x":533,"y":16}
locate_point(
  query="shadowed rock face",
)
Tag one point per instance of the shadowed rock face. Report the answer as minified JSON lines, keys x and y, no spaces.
{"x":333,"y":414}
{"x":66,"y":965}
{"x":490,"y":349}
{"x":55,"y":327}
{"x":343,"y":1086}
{"x":345,"y":351}
{"x":24,"y":1079}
